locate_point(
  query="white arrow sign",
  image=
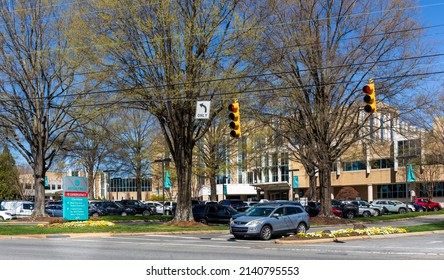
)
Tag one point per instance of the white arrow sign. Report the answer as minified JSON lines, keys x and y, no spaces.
{"x":203,"y":109}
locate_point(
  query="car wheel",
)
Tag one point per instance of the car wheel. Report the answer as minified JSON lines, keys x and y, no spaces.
{"x":302,"y":228}
{"x":435,"y":208}
{"x":401,"y":211}
{"x":95,"y":214}
{"x":266,"y":233}
{"x":366,"y":214}
{"x":124,"y":214}
{"x":378,"y":213}
{"x":203,"y":221}
{"x":421,"y":209}
{"x":1,"y":218}
{"x":146,"y":213}
{"x":349,"y":215}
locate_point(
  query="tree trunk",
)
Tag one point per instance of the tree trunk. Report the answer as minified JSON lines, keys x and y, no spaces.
{"x":325,"y":188}
{"x":213,"y":189}
{"x":39,"y":185}
{"x":183,"y":160}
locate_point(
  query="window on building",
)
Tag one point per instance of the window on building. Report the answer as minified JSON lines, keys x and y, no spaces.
{"x":438,"y":189}
{"x":284,"y":167}
{"x":391,"y":191}
{"x":408,"y":150}
{"x":274,"y":168}
{"x":266,"y":169}
{"x":382,"y":163}
{"x":353,"y":165}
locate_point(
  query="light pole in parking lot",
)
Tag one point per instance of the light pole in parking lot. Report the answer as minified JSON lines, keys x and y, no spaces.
{"x":163,"y":180}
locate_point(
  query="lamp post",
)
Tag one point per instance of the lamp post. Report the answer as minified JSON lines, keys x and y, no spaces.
{"x":163,"y":180}
{"x":108,"y":171}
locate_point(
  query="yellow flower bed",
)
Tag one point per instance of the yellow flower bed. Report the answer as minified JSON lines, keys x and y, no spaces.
{"x":79,"y":224}
{"x":353,"y":232}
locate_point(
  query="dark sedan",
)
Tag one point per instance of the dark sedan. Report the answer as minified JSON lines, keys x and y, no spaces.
{"x":114,"y":208}
{"x":54,"y":210}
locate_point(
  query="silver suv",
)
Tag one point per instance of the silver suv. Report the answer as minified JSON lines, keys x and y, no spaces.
{"x":268,"y":220}
{"x":392,"y":206}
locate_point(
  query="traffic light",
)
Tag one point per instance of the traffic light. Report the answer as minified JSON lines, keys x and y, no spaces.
{"x":370,"y":97}
{"x":235,"y":119}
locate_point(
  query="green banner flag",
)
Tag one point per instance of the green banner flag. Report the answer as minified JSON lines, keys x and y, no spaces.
{"x":410,"y":174}
{"x":167,"y":180}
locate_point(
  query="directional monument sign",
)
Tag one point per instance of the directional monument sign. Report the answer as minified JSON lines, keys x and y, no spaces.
{"x":75,"y":198}
{"x":203,"y":109}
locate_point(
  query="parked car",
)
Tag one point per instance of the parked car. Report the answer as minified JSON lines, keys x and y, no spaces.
{"x":113,"y":207}
{"x":267,"y":202}
{"x":363,"y":210}
{"x":94,"y":211}
{"x":54,"y":210}
{"x":4,"y":214}
{"x":348,"y":210}
{"x":137,"y":205}
{"x":416,"y":207}
{"x":170,"y":207}
{"x":155,"y":206}
{"x":312,"y":208}
{"x":18,"y":208}
{"x":237,"y":204}
{"x":392,"y":206}
{"x":270,"y":220}
{"x":213,"y":213}
{"x":429,"y":204}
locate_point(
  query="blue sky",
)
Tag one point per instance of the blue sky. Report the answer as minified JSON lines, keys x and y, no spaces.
{"x":432,"y":15}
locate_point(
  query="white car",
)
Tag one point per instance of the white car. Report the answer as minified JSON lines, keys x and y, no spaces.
{"x":4,"y":214}
{"x":158,"y":206}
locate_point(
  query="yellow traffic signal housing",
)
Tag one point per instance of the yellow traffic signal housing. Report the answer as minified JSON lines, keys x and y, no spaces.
{"x":234,"y":116}
{"x":369,"y":98}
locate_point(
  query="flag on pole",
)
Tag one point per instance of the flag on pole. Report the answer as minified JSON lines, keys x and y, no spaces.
{"x":410,"y":174}
{"x":167,"y":180}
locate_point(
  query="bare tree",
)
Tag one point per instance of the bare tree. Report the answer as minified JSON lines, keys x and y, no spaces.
{"x":324,"y":52}
{"x":38,"y":89}
{"x":133,"y":132}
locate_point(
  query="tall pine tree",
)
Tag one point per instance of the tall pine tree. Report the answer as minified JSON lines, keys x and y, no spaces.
{"x":9,"y":176}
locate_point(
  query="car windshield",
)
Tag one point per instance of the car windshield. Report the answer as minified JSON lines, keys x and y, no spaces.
{"x":260,"y":211}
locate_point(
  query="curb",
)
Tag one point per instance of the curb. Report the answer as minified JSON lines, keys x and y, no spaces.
{"x":105,"y":234}
{"x":344,"y":239}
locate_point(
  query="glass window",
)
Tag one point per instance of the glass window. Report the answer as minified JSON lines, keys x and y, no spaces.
{"x":284,"y":167}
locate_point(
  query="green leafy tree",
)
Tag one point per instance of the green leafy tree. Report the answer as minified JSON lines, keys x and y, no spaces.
{"x":39,"y":86}
{"x":167,"y":55}
{"x":9,"y":176}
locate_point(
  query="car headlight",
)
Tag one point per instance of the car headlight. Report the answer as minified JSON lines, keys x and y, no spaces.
{"x":254,"y":223}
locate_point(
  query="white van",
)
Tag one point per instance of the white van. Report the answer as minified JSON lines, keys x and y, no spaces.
{"x":18,"y":208}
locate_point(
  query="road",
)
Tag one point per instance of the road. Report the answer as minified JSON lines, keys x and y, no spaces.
{"x":219,"y":247}
{"x":222,"y":246}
